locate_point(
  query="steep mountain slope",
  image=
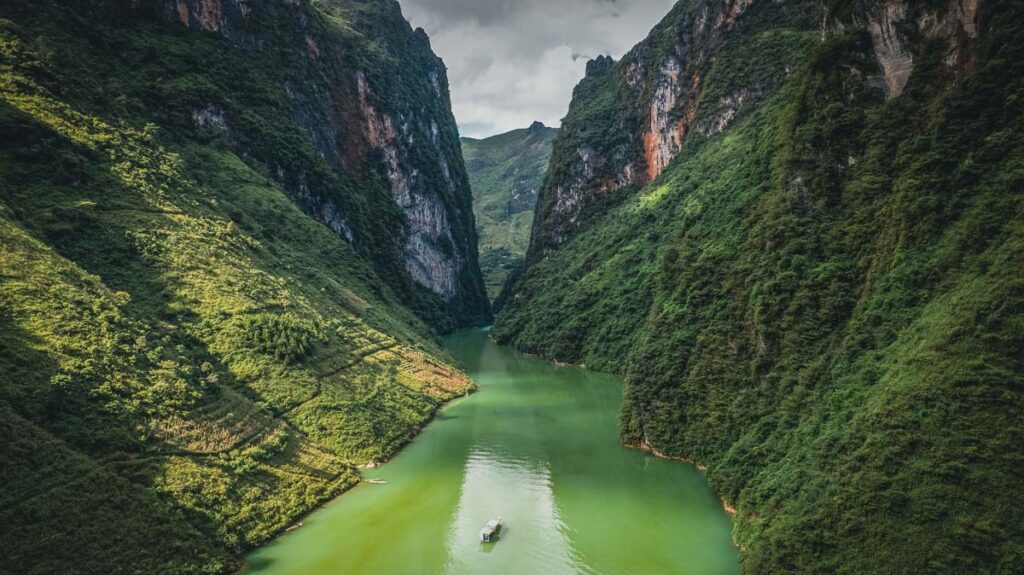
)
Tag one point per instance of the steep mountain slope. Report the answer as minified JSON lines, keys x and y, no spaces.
{"x":798,"y":230}
{"x":219,"y":221}
{"x":506,"y":172}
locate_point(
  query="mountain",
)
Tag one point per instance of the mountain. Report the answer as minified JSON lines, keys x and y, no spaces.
{"x":229,"y":232}
{"x":506,"y":172}
{"x":797,"y":228}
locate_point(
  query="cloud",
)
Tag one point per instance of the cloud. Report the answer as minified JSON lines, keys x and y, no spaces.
{"x":511,"y":62}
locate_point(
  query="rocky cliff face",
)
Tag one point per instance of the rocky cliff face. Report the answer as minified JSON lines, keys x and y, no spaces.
{"x":900,"y":31}
{"x":660,"y":95}
{"x":657,"y":87}
{"x":384,"y":119}
{"x":795,"y":227}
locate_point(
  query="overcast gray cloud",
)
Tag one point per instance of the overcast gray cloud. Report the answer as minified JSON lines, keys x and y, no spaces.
{"x":511,"y":62}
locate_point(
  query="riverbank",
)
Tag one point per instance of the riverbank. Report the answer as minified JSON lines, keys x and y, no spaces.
{"x":537,"y":445}
{"x":299,"y":520}
{"x":646,"y":447}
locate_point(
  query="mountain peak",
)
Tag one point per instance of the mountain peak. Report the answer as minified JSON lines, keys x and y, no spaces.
{"x":599,"y":65}
{"x":536,"y":127}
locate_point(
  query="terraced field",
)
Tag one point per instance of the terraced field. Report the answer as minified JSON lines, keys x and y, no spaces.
{"x":189,"y":362}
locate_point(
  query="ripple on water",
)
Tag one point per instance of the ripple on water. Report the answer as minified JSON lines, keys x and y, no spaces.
{"x":534,"y":540}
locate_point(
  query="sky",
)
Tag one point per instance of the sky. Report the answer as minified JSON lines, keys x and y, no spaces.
{"x":511,"y":62}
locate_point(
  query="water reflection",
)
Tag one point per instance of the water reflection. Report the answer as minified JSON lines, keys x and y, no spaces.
{"x":533,"y":534}
{"x":537,"y":446}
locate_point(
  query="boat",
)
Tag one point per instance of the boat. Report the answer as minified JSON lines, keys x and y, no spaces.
{"x":490,"y":530}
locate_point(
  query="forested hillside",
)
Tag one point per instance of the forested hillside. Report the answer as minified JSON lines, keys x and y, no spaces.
{"x":506,"y":172}
{"x":797,"y":228}
{"x":229,"y":232}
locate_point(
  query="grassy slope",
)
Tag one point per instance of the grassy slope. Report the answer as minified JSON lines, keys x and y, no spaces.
{"x":187,"y":361}
{"x":839,"y":342}
{"x":505,"y":172}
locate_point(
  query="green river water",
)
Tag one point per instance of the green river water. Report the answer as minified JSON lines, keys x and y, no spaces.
{"x":538,"y":446}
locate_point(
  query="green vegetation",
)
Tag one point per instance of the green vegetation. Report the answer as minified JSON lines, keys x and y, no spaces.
{"x":824,"y":304}
{"x":506,"y":172}
{"x":188,"y":361}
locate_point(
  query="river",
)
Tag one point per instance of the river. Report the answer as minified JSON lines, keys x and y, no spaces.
{"x":538,"y":446}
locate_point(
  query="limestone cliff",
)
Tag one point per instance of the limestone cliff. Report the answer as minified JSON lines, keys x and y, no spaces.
{"x":656,"y":95}
{"x":386,"y":119}
{"x":656,"y":88}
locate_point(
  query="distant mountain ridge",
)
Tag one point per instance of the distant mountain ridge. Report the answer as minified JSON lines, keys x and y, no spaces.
{"x":506,"y":172}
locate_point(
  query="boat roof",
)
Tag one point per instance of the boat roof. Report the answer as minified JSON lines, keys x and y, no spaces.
{"x":493,"y":523}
